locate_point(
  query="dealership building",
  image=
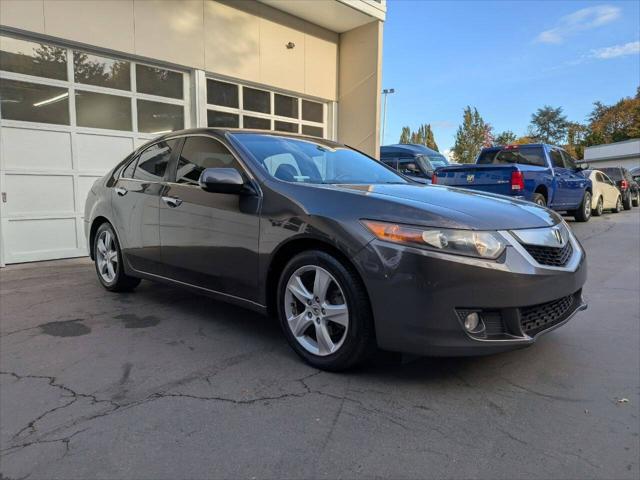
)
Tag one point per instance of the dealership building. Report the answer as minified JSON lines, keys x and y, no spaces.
{"x":84,"y":82}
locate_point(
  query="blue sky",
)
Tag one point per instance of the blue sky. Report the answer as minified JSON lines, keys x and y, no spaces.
{"x":507,"y":58}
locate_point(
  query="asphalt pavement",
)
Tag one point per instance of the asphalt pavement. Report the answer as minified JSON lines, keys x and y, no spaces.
{"x":165,"y":384}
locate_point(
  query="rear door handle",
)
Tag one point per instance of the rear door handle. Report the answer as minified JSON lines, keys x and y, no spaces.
{"x":121,"y":191}
{"x":173,"y":202}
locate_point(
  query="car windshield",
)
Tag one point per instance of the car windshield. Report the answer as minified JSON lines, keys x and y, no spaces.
{"x":300,"y":160}
{"x":533,"y":155}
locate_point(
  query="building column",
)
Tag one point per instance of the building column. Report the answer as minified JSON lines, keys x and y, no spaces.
{"x":359,"y":85}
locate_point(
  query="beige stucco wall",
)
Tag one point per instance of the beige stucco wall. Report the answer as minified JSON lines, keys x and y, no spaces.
{"x":360,"y":76}
{"x":243,"y":40}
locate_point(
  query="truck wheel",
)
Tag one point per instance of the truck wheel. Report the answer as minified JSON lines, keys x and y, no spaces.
{"x":583,"y":213}
{"x":539,"y":199}
{"x":599,"y":207}
{"x":626,"y":202}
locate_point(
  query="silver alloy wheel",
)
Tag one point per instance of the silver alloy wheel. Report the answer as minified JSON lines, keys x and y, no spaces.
{"x":324,"y":308}
{"x":106,"y":256}
{"x":599,"y":207}
{"x":587,"y":205}
{"x":619,"y":204}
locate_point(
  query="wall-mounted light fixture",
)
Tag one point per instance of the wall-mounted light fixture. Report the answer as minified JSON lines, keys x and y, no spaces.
{"x":290,"y":45}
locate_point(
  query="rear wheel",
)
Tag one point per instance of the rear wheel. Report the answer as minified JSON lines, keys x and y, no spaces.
{"x":539,"y":199}
{"x":599,"y":207}
{"x":108,"y":261}
{"x":626,"y":202}
{"x":583,"y":213}
{"x":636,"y":200}
{"x":618,"y":207}
{"x":324,"y":312}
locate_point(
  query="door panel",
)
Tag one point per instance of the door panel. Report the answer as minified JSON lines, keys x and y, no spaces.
{"x":561,"y":196}
{"x":136,"y":202}
{"x":209,"y":239}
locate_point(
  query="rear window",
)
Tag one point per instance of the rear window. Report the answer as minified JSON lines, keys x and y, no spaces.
{"x":522,"y":155}
{"x":613,"y":172}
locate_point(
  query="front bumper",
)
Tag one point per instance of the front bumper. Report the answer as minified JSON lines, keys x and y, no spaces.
{"x":419,"y":298}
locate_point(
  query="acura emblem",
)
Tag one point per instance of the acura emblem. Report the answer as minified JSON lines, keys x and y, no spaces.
{"x":470,"y":178}
{"x":558,"y":235}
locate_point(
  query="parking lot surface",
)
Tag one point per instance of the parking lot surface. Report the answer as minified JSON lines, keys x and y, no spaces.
{"x":165,"y":384}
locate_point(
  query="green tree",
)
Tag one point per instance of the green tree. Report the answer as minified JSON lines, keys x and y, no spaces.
{"x":549,"y":125}
{"x":505,"y":138}
{"x":615,"y":123}
{"x":576,"y":135}
{"x":405,"y":136}
{"x":471,"y":136}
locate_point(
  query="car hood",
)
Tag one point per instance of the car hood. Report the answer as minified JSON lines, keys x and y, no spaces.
{"x":435,"y":205}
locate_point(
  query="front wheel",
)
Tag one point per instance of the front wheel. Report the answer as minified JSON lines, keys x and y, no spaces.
{"x":108,"y":261}
{"x":599,"y":207}
{"x":324,"y":312}
{"x":583,"y":213}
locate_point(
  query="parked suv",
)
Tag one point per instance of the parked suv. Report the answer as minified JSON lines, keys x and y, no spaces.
{"x":415,"y":161}
{"x":626,"y":184}
{"x":541,"y":173}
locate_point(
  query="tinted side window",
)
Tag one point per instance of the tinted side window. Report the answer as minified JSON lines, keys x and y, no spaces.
{"x":569,"y":162}
{"x":556,"y":158}
{"x":390,"y":161}
{"x":599,"y":177}
{"x":613,"y":172}
{"x":199,"y":153}
{"x":409,"y":167}
{"x":152,"y":163}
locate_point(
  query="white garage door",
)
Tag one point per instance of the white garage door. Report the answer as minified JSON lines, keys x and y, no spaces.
{"x":66,"y":117}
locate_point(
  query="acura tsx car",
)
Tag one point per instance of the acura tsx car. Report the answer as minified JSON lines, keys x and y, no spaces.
{"x":348,"y":253}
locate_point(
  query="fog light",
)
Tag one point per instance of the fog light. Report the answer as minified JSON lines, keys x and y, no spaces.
{"x":471,"y":322}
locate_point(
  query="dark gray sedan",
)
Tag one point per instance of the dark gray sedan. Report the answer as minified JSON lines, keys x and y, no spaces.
{"x":347,"y":253}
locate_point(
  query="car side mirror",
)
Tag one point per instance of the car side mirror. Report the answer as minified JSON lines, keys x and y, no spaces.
{"x":221,"y":180}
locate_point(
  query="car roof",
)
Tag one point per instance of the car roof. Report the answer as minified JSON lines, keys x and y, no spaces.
{"x":501,"y":147}
{"x":408,"y":148}
{"x":222,"y":132}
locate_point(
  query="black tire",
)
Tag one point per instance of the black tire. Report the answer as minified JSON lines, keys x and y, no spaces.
{"x":599,"y":208}
{"x":120,"y":282}
{"x":539,"y":199}
{"x":626,"y":203}
{"x":583,"y":213}
{"x":358,"y":339}
{"x":636,"y":200}
{"x":618,"y":207}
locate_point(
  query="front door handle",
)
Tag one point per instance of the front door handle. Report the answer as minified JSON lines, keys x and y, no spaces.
{"x":173,"y":202}
{"x":121,"y":191}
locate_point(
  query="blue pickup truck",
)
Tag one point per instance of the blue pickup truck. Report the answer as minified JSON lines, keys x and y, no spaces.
{"x":541,"y":173}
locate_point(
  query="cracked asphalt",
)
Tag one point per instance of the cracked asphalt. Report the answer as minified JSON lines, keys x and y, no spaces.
{"x":165,"y":384}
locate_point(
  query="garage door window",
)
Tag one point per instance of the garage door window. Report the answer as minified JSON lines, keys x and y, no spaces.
{"x":99,"y":110}
{"x":159,"y":81}
{"x":31,"y":58}
{"x":233,"y":105}
{"x":106,"y":92}
{"x":101,"y":71}
{"x":31,"y":102}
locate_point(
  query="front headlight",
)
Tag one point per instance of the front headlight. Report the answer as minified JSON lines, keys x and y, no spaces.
{"x":459,"y":242}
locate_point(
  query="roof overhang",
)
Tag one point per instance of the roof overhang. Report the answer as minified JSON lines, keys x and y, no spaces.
{"x":335,"y":15}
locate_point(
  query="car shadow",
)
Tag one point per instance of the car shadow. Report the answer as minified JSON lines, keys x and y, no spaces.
{"x":204,"y":311}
